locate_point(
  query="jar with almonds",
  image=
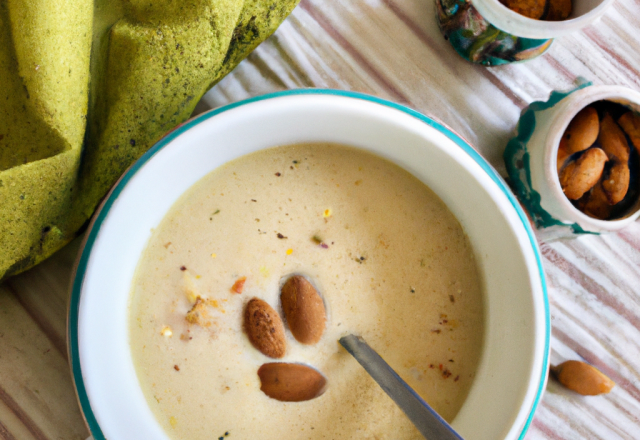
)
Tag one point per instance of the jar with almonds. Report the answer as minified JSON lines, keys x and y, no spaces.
{"x":575,"y":162}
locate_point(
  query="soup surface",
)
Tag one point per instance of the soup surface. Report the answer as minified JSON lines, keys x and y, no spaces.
{"x":391,"y":262}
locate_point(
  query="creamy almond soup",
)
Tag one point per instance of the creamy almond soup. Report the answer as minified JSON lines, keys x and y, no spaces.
{"x":388,"y":258}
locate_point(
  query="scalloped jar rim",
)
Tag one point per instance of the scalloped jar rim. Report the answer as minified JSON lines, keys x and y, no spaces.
{"x":516,"y":24}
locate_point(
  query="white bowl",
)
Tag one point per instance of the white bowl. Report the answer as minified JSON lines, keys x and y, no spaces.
{"x":513,"y":369}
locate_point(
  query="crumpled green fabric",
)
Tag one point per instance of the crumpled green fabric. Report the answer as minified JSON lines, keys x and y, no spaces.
{"x":86,"y":87}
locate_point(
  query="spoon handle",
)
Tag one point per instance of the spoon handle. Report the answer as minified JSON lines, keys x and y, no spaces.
{"x":428,"y":422}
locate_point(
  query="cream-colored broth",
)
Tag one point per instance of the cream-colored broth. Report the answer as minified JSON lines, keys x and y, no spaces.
{"x":394,"y":267}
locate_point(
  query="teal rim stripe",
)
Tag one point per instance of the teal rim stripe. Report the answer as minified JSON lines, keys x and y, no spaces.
{"x":104,"y":210}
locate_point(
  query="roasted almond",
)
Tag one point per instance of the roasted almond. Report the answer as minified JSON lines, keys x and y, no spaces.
{"x":614,"y":143}
{"x":558,"y":10}
{"x":616,"y":182}
{"x":291,"y":382}
{"x":630,"y":123}
{"x":596,"y":204}
{"x":582,"y":378}
{"x":580,"y":176}
{"x":582,"y":131}
{"x":613,"y":140}
{"x":529,"y":8}
{"x":264,"y":328}
{"x":303,"y":309}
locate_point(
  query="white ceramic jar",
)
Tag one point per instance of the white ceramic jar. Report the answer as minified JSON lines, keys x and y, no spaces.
{"x":487,"y":32}
{"x":531,"y":160}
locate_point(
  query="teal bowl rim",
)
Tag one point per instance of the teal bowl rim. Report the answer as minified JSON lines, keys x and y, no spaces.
{"x":92,"y":233}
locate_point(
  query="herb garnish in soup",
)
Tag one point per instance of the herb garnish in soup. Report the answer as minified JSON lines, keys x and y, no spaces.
{"x":255,"y":273}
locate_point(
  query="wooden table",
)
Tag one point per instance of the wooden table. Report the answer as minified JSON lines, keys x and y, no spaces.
{"x":393,"y":49}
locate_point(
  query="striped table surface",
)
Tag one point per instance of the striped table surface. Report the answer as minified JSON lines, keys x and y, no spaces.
{"x":393,"y":49}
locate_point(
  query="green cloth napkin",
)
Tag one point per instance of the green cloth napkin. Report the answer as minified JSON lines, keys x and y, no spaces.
{"x":86,"y":87}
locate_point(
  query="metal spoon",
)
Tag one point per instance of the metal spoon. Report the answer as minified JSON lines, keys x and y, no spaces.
{"x":428,"y":422}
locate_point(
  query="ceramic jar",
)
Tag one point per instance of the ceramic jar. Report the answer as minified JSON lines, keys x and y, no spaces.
{"x":487,"y":32}
{"x":531,"y":161}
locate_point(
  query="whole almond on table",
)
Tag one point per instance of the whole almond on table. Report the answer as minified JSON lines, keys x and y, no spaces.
{"x":303,"y":309}
{"x":580,"y":176}
{"x":291,"y":382}
{"x":582,"y":378}
{"x":614,"y":143}
{"x":264,"y":328}
{"x":582,"y":131}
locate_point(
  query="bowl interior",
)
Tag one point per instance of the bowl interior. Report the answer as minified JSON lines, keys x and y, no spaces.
{"x":512,"y":372}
